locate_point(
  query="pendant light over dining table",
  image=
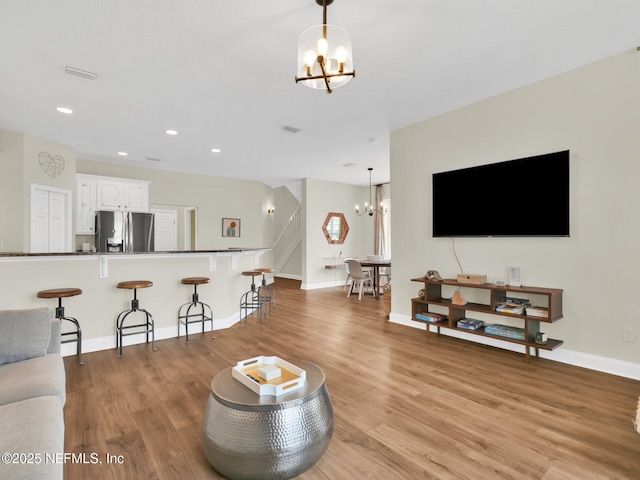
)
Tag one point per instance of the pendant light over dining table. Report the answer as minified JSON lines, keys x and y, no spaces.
{"x":369,"y":207}
{"x":324,"y":55}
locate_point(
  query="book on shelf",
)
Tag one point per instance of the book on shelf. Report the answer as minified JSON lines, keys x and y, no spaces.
{"x":469,"y":324}
{"x":430,"y":317}
{"x":506,"y":331}
{"x":512,"y":308}
{"x":542,"y":312}
{"x":517,"y":301}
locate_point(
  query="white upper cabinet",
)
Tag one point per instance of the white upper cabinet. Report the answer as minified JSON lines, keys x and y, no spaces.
{"x":106,"y":193}
{"x":85,"y":205}
{"x":136,"y":196}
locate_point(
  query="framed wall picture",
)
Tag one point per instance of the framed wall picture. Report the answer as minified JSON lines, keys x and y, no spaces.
{"x":230,"y":227}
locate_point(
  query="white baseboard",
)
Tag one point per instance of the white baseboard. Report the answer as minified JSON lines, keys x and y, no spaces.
{"x":316,"y":286}
{"x":563,"y":355}
{"x":288,"y":275}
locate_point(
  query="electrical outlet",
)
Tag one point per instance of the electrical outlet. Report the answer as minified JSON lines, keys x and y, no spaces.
{"x":629,"y":334}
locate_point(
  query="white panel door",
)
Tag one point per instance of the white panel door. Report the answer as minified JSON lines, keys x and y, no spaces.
{"x":57,"y":222}
{"x":50,"y":220}
{"x":165,"y":230}
{"x":39,"y":221}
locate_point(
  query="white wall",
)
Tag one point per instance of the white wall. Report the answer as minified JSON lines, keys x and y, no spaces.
{"x":319,"y":198}
{"x":595,"y":112}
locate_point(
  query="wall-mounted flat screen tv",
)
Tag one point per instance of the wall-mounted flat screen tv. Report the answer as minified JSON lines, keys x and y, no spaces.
{"x":527,"y":197}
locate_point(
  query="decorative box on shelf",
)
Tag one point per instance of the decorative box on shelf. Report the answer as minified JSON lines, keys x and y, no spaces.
{"x":474,"y":279}
{"x":252,"y":372}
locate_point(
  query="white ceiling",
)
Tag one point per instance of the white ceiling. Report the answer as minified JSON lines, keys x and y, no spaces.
{"x":221,"y":73}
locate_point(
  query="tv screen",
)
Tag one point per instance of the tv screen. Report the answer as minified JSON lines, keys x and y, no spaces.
{"x":528,"y":197}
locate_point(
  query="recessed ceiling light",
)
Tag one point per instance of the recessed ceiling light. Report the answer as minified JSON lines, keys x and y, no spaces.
{"x":216,"y":150}
{"x":123,"y":154}
{"x":64,"y":110}
{"x":171,"y":132}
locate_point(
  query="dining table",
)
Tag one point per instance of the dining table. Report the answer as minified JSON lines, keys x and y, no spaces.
{"x":375,"y":265}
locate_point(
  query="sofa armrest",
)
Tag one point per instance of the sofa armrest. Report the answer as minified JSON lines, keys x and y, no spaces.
{"x":56,"y":336}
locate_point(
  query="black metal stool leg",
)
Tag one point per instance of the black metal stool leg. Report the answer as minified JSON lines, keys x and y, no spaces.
{"x":77,"y":332}
{"x":251,"y":299}
{"x":201,"y":317}
{"x":149,"y":324}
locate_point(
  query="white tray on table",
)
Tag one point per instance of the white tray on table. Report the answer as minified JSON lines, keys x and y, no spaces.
{"x":246,"y":372}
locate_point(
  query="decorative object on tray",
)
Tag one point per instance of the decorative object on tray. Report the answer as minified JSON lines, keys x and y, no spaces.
{"x":269,"y":375}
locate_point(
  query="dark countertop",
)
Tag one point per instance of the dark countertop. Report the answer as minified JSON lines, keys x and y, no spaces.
{"x":96,"y":254}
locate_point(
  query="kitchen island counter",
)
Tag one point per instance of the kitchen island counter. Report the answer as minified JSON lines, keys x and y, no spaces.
{"x":22,"y":275}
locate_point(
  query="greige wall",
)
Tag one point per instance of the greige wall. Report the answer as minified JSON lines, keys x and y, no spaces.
{"x":320,"y":198}
{"x":593,"y":111}
{"x":21,"y":167}
{"x":11,"y":214}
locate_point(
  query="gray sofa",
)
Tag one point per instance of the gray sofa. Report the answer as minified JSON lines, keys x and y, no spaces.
{"x":32,"y":395}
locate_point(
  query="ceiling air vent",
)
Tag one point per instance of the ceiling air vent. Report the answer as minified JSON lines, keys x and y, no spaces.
{"x":290,"y":129}
{"x":153,"y":159}
{"x":80,"y":73}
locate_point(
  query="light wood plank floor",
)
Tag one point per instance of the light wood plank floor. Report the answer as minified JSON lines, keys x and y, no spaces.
{"x":406,"y":407}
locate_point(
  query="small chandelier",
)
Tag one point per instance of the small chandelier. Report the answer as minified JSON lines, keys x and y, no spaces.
{"x":324,"y":55}
{"x":368,"y":206}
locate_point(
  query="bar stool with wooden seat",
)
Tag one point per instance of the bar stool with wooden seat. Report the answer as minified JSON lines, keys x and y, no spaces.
{"x":202,"y":312}
{"x":148,"y":325}
{"x":250,"y":300}
{"x":60,"y":293}
{"x":267,"y":293}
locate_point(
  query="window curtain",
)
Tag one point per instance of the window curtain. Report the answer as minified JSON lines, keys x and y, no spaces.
{"x":379,"y":247}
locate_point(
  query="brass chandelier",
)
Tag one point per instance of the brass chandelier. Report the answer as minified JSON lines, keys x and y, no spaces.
{"x":369,"y":207}
{"x":324,"y":55}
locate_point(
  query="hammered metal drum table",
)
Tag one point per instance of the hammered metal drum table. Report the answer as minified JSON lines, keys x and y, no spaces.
{"x":251,"y":436}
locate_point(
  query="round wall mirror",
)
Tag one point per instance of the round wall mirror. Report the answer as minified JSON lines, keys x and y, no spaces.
{"x":335,"y":228}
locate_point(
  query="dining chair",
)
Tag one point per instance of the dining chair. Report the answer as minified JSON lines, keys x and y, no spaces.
{"x":359,"y":277}
{"x":348,"y":279}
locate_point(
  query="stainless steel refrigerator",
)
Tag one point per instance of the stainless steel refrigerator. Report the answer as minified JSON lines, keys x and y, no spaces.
{"x":124,"y":231}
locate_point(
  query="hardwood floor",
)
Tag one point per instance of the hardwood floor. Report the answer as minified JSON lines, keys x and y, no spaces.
{"x":405,"y":406}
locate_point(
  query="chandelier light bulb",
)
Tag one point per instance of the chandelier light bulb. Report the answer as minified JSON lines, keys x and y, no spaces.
{"x":322,"y":47}
{"x":310,"y":58}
